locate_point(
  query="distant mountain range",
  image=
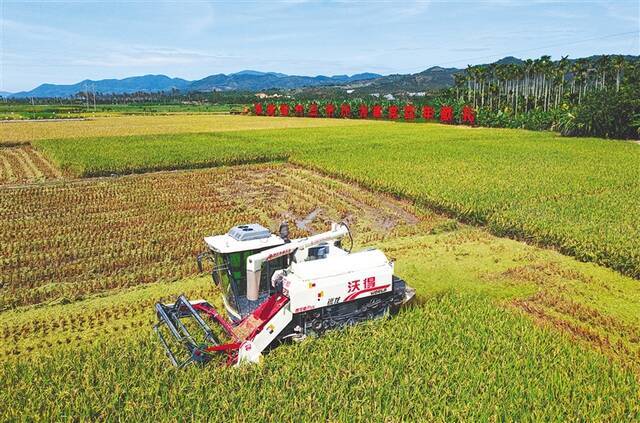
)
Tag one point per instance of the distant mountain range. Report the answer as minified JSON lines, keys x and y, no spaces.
{"x":147,"y":83}
{"x":256,"y":81}
{"x":247,"y":80}
{"x":433,"y":78}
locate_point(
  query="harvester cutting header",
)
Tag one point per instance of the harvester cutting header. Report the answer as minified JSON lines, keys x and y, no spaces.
{"x":276,"y":289}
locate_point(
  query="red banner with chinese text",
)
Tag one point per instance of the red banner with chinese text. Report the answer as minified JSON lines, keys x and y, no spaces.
{"x":393,"y":112}
{"x":364,"y":111}
{"x":409,"y":112}
{"x":329,"y":109}
{"x":446,"y":114}
{"x":345,"y":110}
{"x":468,"y":115}
{"x":428,"y":112}
{"x":377,"y":111}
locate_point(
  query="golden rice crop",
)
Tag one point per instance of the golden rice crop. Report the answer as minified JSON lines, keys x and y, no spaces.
{"x":15,"y":132}
{"x":453,"y":358}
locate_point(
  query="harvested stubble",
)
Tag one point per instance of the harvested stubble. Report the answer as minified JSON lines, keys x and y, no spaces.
{"x":86,"y":237}
{"x":19,"y":165}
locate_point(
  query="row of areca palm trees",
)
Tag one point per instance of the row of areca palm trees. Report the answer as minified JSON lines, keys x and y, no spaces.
{"x":541,"y":83}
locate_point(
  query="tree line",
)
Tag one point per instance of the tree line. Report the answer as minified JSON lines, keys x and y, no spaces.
{"x":542,"y":83}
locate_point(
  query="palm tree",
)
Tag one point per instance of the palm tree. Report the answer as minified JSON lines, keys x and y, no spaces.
{"x":563,"y":67}
{"x":618,"y":63}
{"x":491,"y":73}
{"x":471,"y":76}
{"x":502,"y":74}
{"x":481,"y":73}
{"x":602,"y":65}
{"x":515,"y":74}
{"x":528,"y":71}
{"x":458,"y":82}
{"x":537,"y":70}
{"x":580,"y":71}
{"x":545,"y":69}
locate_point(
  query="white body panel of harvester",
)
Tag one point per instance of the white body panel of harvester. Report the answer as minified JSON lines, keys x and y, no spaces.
{"x":309,"y":285}
{"x":299,"y":247}
{"x":334,"y":280}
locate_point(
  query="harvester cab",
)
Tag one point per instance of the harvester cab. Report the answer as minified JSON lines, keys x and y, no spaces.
{"x":276,"y":289}
{"x":228,"y":254}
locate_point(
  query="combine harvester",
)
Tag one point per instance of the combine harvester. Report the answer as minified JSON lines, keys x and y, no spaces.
{"x":276,"y":289}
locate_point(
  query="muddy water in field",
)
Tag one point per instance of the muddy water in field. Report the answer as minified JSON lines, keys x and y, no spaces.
{"x":90,"y":236}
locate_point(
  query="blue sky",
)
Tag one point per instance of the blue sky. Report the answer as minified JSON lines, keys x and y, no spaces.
{"x":68,"y":41}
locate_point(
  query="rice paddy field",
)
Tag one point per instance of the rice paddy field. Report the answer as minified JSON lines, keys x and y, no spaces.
{"x":577,"y":195}
{"x":523,"y":248}
{"x":27,"y":111}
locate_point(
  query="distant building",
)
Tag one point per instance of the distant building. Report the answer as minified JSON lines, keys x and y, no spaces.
{"x":265,"y":95}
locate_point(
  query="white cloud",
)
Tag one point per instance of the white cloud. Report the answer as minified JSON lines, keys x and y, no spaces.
{"x":150,"y":56}
{"x":200,"y":16}
{"x":35,"y":32}
{"x":629,"y":12}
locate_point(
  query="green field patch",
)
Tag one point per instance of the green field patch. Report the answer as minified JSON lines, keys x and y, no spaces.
{"x":453,"y":357}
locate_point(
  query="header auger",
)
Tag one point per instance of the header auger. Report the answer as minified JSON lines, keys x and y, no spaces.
{"x":276,"y":289}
